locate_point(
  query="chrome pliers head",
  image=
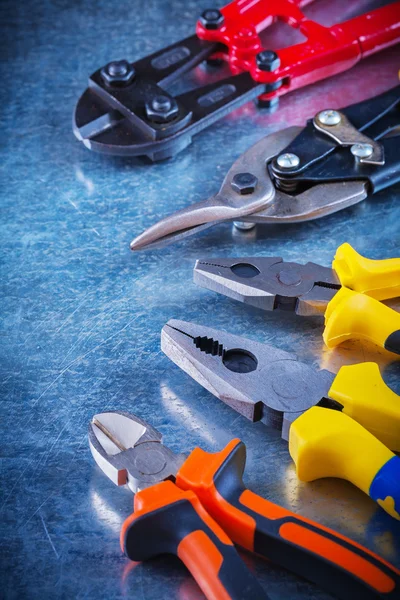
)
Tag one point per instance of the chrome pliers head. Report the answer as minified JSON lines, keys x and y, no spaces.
{"x":299,"y":174}
{"x":346,"y":294}
{"x":270,"y":283}
{"x":260,"y":381}
{"x":334,"y":424}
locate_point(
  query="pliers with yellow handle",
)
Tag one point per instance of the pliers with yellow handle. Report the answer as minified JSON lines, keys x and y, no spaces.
{"x":196,"y":506}
{"x":345,"y":425}
{"x":348,"y":294}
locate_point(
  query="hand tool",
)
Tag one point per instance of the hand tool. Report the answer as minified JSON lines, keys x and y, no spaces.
{"x":195,"y":506}
{"x":128,"y":110}
{"x":347,"y":294}
{"x":337,"y":426}
{"x":299,"y":174}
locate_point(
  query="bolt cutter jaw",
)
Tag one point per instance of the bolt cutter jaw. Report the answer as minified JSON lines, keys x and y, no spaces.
{"x":270,"y":283}
{"x":130,"y":451}
{"x":116,"y":113}
{"x":259,"y":381}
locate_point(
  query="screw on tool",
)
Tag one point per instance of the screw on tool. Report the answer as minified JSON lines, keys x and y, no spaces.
{"x":288,"y":161}
{"x":329,"y":117}
{"x":211,"y":19}
{"x":361,"y":150}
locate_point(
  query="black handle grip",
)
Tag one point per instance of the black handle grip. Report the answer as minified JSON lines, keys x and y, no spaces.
{"x":168,"y":520}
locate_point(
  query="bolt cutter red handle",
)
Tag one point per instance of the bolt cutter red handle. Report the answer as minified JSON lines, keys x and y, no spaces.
{"x":326,"y":52}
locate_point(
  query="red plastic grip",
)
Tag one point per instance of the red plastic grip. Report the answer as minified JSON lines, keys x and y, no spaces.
{"x":326,"y":52}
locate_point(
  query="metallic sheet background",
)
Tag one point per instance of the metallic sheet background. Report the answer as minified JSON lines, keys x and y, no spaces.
{"x":82,"y":315}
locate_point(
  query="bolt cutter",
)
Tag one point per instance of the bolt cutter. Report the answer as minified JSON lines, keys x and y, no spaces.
{"x":337,"y":426}
{"x":347,"y":294}
{"x":298,"y":174}
{"x":196,"y":506}
{"x":128,"y":109}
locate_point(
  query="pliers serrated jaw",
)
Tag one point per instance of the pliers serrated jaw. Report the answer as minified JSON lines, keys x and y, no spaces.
{"x":259,"y":381}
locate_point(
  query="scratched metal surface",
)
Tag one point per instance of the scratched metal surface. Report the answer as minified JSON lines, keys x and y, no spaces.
{"x":82,"y":315}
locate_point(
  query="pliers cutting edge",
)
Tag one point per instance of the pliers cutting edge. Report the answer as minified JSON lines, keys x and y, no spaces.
{"x":196,"y":506}
{"x":337,"y":426}
{"x":299,"y":174}
{"x":347,"y":294}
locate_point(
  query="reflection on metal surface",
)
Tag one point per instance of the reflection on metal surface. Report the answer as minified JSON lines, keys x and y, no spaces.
{"x":356,"y":351}
{"x":106,"y":514}
{"x":192,"y":418}
{"x":87,"y":182}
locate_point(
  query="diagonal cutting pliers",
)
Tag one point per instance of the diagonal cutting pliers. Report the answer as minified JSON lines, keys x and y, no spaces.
{"x":195,"y":506}
{"x":337,"y":426}
{"x":347,"y":294}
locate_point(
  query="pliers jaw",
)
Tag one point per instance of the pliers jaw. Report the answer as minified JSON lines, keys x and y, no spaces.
{"x":130,"y":451}
{"x":270,"y":283}
{"x":259,"y":381}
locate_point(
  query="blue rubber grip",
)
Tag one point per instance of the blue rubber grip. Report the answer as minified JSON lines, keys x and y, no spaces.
{"x":385,"y":487}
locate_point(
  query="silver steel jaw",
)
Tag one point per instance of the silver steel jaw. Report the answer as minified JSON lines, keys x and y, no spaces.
{"x":259,"y":381}
{"x":269,"y":283}
{"x":130,"y":451}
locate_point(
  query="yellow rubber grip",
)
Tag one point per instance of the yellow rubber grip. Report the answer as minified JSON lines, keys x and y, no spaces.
{"x":351,"y":315}
{"x":367,"y":399}
{"x":379,"y":279}
{"x":328,"y":443}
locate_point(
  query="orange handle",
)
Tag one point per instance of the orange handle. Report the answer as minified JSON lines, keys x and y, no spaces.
{"x":169,"y":520}
{"x":317,"y":553}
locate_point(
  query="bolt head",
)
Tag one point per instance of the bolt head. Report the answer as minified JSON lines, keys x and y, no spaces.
{"x":329,"y":117}
{"x":288,"y":161}
{"x":161,"y":109}
{"x":243,"y":225}
{"x":211,"y":18}
{"x":268,"y":60}
{"x":361,"y":150}
{"x":118,"y":73}
{"x":244,"y":183}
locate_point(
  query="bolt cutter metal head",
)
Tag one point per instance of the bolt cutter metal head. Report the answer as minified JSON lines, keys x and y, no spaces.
{"x":259,"y":381}
{"x":130,"y":451}
{"x":270,"y":283}
{"x":128,"y":108}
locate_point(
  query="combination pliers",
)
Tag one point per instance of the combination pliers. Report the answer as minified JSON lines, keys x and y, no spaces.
{"x":300,"y":173}
{"x":347,"y":294}
{"x":196,"y":506}
{"x":343,"y":426}
{"x":129,"y":109}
